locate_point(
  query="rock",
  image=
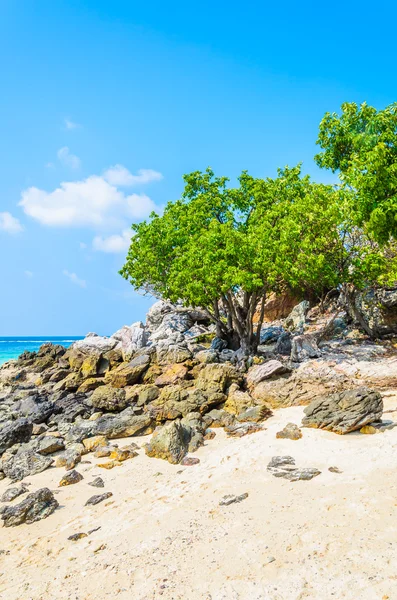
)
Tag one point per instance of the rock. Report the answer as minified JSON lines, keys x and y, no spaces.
{"x":70,"y":478}
{"x":71,"y":457}
{"x":130,"y":339}
{"x":218,"y":418}
{"x":369,"y":430}
{"x":39,"y":429}
{"x":109,"y":398}
{"x":97,"y":482}
{"x":297,"y":317}
{"x":304,"y":347}
{"x":49,"y":444}
{"x":218,"y":344}
{"x":277,"y":306}
{"x":270,"y":334}
{"x":36,"y":408}
{"x":25,"y":463}
{"x":122,"y":454}
{"x":14,"y":492}
{"x":189,"y":461}
{"x":14,"y":432}
{"x":269,"y":369}
{"x":98,"y":498}
{"x":91,"y":365}
{"x":35,"y":507}
{"x":344,"y":411}
{"x":125,"y":424}
{"x":290,"y":432}
{"x":173,"y":322}
{"x":334,"y":470}
{"x":169,"y":442}
{"x":172,"y":353}
{"x":284,"y":344}
{"x":241,"y":429}
{"x":237,"y":400}
{"x":90,"y":384}
{"x":93,"y":344}
{"x":92,"y":443}
{"x":217,"y":377}
{"x":109,"y":464}
{"x":284,"y":466}
{"x":172,"y":375}
{"x":103,"y":452}
{"x":255,"y":414}
{"x":231,"y":499}
{"x":77,"y":536}
{"x":128,"y":374}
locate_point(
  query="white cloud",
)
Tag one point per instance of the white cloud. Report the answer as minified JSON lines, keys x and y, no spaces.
{"x":9,"y":223}
{"x":119,"y":175}
{"x":69,"y":124}
{"x":92,"y":202}
{"x":83,"y":245}
{"x":74,"y":279}
{"x":68,"y":159}
{"x":29,"y":274}
{"x":113,"y":243}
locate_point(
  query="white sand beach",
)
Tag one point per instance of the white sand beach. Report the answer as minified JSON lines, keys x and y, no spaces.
{"x":164,"y":535}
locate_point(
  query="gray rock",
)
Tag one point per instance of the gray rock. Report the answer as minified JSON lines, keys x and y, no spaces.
{"x":49,"y":444}
{"x":231,"y":499}
{"x":97,"y":482}
{"x":304,"y":347}
{"x":70,"y":478}
{"x":270,"y":334}
{"x":284,"y":467}
{"x":124,"y":424}
{"x":35,"y":507}
{"x":218,"y":344}
{"x":264,"y":371}
{"x":36,"y":408}
{"x":14,"y":432}
{"x":241,"y":429}
{"x":344,"y":411}
{"x":297,"y":317}
{"x":14,"y":492}
{"x":98,"y":498}
{"x":25,"y":463}
{"x":130,"y":339}
{"x":284,"y":344}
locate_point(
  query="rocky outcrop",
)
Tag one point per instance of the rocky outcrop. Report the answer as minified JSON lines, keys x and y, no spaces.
{"x":297,"y":317}
{"x":14,"y":432}
{"x":35,"y":507}
{"x":345,"y":411}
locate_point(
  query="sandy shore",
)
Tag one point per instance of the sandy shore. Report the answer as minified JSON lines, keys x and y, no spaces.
{"x":164,"y":535}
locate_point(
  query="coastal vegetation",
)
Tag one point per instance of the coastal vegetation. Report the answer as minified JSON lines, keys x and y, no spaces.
{"x":226,"y":248}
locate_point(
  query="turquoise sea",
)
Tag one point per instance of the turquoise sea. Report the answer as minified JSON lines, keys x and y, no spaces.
{"x":12,"y":347}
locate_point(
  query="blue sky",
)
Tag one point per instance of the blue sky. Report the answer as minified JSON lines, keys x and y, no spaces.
{"x":104,"y":106}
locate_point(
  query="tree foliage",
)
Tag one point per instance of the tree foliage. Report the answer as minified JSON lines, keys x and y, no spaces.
{"x":361,"y":143}
{"x":224,"y":248}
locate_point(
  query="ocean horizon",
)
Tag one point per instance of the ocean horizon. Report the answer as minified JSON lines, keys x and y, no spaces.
{"x":12,"y":346}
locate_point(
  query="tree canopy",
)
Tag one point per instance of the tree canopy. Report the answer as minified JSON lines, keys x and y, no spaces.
{"x":361,"y":144}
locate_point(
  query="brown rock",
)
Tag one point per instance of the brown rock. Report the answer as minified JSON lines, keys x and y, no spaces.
{"x":290,"y":432}
{"x":172,"y":374}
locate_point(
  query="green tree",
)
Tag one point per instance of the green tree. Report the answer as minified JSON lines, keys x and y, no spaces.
{"x":225,"y":248}
{"x":361,"y":144}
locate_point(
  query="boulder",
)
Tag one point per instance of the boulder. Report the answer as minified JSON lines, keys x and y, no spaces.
{"x":304,"y":347}
{"x":130,"y":339}
{"x":48,"y":444}
{"x":25,"y":463}
{"x":255,"y":414}
{"x":92,"y":344}
{"x":109,"y":398}
{"x":217,"y":377}
{"x":290,"y":432}
{"x":35,"y":507}
{"x":271,"y":334}
{"x":90,"y":384}
{"x":172,"y":353}
{"x":128,"y":374}
{"x":269,"y":369}
{"x":344,"y":411}
{"x":98,"y":498}
{"x":237,"y":400}
{"x":14,"y":432}
{"x":297,"y":317}
{"x":71,"y":457}
{"x":70,"y":478}
{"x":284,"y":344}
{"x":124,"y":424}
{"x":172,"y":374}
{"x":36,"y":408}
{"x":169,"y":442}
{"x":243,"y":428}
{"x":13,"y":492}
